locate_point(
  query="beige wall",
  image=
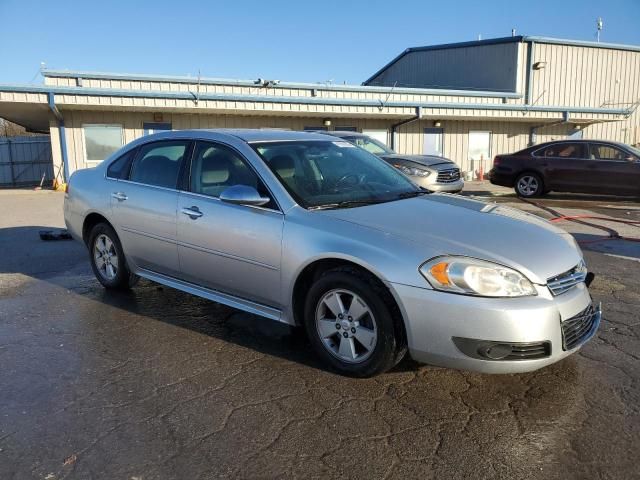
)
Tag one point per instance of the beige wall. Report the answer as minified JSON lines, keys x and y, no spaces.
{"x":584,"y":76}
{"x":507,"y":136}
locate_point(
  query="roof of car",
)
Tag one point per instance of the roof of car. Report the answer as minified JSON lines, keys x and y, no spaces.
{"x":343,"y":133}
{"x":266,"y":135}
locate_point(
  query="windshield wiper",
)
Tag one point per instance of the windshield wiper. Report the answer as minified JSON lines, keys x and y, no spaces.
{"x":414,"y":193}
{"x":344,"y":204}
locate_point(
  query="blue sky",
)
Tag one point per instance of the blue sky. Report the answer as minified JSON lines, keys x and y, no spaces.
{"x":310,"y":41}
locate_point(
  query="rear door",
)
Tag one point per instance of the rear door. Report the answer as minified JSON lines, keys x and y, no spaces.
{"x":144,"y":206}
{"x":617,"y":170}
{"x":566,"y":167}
{"x":234,"y":249}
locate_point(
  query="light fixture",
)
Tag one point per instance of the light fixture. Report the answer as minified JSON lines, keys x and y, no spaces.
{"x":326,"y":122}
{"x":437,"y":124}
{"x":539,"y":65}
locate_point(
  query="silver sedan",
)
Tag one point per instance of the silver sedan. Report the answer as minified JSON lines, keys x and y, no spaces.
{"x":314,"y":232}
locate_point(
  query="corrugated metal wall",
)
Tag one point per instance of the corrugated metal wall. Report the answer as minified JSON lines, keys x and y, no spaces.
{"x":585,"y":76}
{"x":483,"y":67}
{"x":24,"y":161}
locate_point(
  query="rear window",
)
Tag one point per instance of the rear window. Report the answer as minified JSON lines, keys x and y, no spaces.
{"x":119,"y":169}
{"x":561,"y":150}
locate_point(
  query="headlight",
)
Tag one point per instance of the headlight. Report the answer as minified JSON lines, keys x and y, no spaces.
{"x":475,"y":277}
{"x":416,"y":172}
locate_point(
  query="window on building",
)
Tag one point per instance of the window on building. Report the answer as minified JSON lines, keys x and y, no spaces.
{"x":101,"y":141}
{"x":158,"y":163}
{"x":346,"y":129}
{"x":310,"y":129}
{"x":479,"y":145}
{"x":155,"y":127}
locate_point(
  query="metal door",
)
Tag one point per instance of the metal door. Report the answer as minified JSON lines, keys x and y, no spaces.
{"x":234,"y":249}
{"x":144,"y":207}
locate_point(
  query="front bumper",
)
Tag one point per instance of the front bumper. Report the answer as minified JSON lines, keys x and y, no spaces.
{"x":435,"y":320}
{"x":434,"y":186}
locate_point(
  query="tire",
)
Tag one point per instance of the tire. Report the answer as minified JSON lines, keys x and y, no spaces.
{"x":370,"y":341}
{"x":107,"y":259}
{"x":529,"y":185}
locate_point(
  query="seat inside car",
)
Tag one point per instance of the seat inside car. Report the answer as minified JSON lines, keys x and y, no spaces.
{"x":285,"y":168}
{"x":215,"y":173}
{"x":157,"y":170}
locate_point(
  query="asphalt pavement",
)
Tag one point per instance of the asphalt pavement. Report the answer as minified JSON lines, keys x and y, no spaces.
{"x":158,"y":384}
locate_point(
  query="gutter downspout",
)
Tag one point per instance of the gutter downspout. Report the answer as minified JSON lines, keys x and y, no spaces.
{"x":533,"y":131}
{"x":63,"y":137}
{"x":530,"y":53}
{"x":403,"y":122}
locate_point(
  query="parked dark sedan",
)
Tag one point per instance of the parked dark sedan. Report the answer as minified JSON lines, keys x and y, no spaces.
{"x":437,"y":174}
{"x":580,"y":166}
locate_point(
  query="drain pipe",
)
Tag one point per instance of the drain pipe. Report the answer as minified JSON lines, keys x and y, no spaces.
{"x":403,"y":122}
{"x":63,"y":138}
{"x":533,"y":131}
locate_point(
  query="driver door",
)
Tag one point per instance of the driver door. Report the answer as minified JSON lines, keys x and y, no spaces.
{"x":234,"y":249}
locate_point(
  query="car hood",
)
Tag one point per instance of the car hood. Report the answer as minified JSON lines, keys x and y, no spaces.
{"x":424,"y":160}
{"x":454,"y":225}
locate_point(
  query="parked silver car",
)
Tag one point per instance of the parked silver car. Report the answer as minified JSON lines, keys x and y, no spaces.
{"x":436,"y":174}
{"x":312,"y":231}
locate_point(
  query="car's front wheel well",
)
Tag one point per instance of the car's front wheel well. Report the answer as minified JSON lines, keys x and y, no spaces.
{"x":314,"y":270}
{"x":91,"y":221}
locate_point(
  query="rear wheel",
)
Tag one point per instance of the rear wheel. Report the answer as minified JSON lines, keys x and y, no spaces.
{"x":352,"y":323}
{"x":107,"y":259}
{"x":529,"y":185}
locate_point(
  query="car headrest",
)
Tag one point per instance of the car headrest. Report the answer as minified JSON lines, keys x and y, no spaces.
{"x":283,"y":165}
{"x":216,"y":168}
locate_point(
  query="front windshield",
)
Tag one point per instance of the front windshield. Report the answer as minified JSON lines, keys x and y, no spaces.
{"x":334,"y":174}
{"x":634,"y":150}
{"x":371,"y":145}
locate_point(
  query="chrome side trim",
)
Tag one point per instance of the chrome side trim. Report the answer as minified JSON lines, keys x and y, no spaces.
{"x":213,"y":295}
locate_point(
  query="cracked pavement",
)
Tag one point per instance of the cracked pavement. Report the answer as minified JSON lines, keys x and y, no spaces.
{"x":158,"y":384}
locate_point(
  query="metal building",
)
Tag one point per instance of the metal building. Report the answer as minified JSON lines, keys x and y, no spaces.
{"x":467,"y":101}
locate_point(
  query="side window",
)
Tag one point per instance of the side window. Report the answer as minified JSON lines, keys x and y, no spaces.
{"x":565,"y":150}
{"x":158,"y":163}
{"x":606,"y":152}
{"x":216,"y":167}
{"x":119,"y":168}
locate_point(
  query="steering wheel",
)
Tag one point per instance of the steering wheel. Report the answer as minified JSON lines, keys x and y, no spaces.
{"x":347,"y":180}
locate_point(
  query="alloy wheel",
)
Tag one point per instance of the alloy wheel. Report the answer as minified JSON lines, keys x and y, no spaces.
{"x":528,"y":185}
{"x":346,"y":326}
{"x":105,"y":257}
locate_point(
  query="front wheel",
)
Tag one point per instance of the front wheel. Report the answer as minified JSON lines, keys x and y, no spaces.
{"x":353,"y":324}
{"x":107,"y":259}
{"x":529,"y":185}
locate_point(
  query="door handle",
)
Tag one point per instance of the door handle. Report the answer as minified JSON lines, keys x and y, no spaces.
{"x":119,"y":196}
{"x":192,"y":212}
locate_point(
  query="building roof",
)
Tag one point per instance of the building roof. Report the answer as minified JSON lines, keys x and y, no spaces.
{"x":499,"y":40}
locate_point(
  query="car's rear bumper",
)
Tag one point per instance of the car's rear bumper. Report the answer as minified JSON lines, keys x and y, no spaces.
{"x":499,"y":178}
{"x":450,"y":330}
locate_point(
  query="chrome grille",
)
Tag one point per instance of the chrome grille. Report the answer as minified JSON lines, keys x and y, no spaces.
{"x":449,"y":175}
{"x":567,"y":280}
{"x":577,"y":330}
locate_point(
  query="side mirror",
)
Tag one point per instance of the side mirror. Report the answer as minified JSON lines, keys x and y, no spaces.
{"x":243,"y":195}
